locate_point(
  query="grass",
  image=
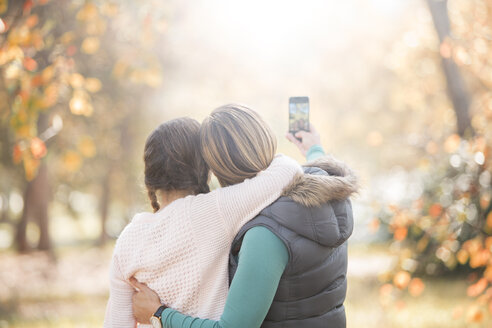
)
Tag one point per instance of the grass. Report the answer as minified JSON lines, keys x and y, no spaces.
{"x":79,"y":300}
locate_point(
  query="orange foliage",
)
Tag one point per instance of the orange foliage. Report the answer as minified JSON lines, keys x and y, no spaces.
{"x":477,"y":288}
{"x":402,"y":279}
{"x":38,"y":148}
{"x":479,"y":258}
{"x":374,"y":225}
{"x":489,"y":220}
{"x":30,"y":64}
{"x":44,"y":74}
{"x":400,"y":233}
{"x":435,"y":210}
{"x":416,"y":287}
{"x":474,"y":314}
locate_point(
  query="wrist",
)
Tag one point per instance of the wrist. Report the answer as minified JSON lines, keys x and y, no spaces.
{"x":314,"y":152}
{"x":155,"y":319}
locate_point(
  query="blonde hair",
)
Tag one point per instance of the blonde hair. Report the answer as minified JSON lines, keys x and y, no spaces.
{"x":236,"y":143}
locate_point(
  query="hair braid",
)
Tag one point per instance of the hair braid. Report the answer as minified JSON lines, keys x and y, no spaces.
{"x":153,"y":200}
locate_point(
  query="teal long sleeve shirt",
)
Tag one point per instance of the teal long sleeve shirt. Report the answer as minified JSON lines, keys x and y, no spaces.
{"x":262,"y":261}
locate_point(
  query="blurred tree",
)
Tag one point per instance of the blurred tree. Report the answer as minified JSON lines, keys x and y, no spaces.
{"x":456,"y":85}
{"x":67,"y":71}
{"x":443,"y":223}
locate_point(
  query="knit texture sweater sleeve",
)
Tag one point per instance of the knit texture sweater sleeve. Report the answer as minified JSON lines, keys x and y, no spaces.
{"x":262,"y":261}
{"x":119,"y":308}
{"x":241,"y":202}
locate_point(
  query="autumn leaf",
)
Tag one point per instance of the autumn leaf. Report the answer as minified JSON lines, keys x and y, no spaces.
{"x":488,"y":273}
{"x":17,"y":154}
{"x":479,"y":258}
{"x":445,"y":49}
{"x":477,"y":288}
{"x":30,"y":167}
{"x":488,"y":243}
{"x":489,"y":219}
{"x":32,"y":20}
{"x":89,"y":11}
{"x":474,"y":314}
{"x":462,"y":256}
{"x":76,"y":80}
{"x":93,"y":84}
{"x":385,"y":289}
{"x":400,"y":233}
{"x":435,"y":210}
{"x":416,"y":287}
{"x":38,"y":148}
{"x":452,"y":143}
{"x":401,"y":279}
{"x":30,"y":64}
{"x":26,"y":8}
{"x":90,"y":45}
{"x":374,"y":225}
{"x":47,"y":74}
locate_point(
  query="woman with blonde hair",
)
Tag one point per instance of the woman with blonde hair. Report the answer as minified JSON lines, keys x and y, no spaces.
{"x":181,"y":250}
{"x":288,"y":265}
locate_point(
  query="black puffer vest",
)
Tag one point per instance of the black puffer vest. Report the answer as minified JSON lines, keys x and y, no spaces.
{"x":314,"y":219}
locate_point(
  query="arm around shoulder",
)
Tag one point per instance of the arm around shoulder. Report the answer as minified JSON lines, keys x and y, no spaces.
{"x":241,"y":202}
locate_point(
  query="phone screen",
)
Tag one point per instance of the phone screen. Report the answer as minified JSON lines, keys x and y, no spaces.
{"x":298,"y":114}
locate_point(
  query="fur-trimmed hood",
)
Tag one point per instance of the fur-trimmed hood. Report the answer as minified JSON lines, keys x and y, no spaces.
{"x":315,"y":187}
{"x":316,"y":204}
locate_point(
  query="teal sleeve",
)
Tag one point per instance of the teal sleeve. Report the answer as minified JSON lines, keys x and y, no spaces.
{"x":262,"y":261}
{"x":315,"y":152}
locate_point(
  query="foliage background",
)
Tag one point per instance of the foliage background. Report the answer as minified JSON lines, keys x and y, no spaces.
{"x":401,"y":90}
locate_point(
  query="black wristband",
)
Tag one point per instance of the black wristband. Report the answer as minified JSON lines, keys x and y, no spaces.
{"x":158,"y":313}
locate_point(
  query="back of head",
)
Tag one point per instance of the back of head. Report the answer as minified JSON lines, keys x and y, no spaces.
{"x":173,"y":160}
{"x":236,"y":143}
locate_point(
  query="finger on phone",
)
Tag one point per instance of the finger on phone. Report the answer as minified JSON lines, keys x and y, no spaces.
{"x":292,"y":139}
{"x":301,"y":134}
{"x":312,"y":128}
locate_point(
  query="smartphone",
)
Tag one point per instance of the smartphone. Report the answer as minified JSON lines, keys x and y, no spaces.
{"x":298,"y":114}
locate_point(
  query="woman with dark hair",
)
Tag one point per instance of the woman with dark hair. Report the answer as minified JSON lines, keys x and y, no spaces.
{"x":181,"y":250}
{"x":288,"y":265}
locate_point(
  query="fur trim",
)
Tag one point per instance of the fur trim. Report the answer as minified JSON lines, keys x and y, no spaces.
{"x":313,"y":190}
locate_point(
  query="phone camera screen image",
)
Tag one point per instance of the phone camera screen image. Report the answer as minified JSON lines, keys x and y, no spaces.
{"x":298,"y":114}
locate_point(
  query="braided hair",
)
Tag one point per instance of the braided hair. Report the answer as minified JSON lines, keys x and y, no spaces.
{"x":173,"y":160}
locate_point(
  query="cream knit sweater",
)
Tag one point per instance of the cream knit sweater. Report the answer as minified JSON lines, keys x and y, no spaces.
{"x":182,"y":251}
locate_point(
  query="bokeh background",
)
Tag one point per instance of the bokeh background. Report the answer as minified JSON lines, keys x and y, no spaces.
{"x":399,"y":89}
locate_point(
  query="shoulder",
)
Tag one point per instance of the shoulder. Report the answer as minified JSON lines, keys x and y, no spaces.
{"x":133,"y":228}
{"x":262,"y":240}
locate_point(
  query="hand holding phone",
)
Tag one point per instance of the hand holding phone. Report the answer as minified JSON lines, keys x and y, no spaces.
{"x":304,"y":139}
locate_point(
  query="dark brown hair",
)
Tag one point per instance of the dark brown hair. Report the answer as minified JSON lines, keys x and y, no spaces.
{"x":173,"y":160}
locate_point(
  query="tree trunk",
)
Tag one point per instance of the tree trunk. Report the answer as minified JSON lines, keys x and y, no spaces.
{"x":43,"y":197}
{"x":104,"y":207}
{"x":36,"y":200}
{"x":455,"y":84}
{"x":20,"y":235}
